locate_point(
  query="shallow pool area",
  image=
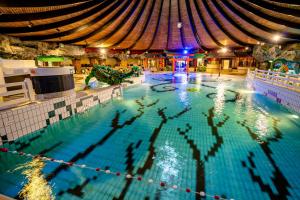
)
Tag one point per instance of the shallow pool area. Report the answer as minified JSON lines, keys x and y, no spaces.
{"x":199,"y":133}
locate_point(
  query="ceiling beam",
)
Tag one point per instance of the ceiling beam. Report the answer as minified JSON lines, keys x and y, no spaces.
{"x":235,"y":24}
{"x":121,"y":24}
{"x":169,"y":24}
{"x":287,"y":1}
{"x":145,"y":26}
{"x":262,"y":14}
{"x":157,"y":25}
{"x":35,"y":3}
{"x":205,"y":25}
{"x":228,"y":4}
{"x":53,"y":25}
{"x":193,"y":26}
{"x":274,"y":7}
{"x":182,"y":38}
{"x":136,"y":20}
{"x":20,"y":17}
{"x":80,"y":28}
{"x":222,"y":28}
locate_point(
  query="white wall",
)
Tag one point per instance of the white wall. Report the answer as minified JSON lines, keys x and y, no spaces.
{"x":16,"y":67}
{"x":2,"y":82}
{"x":283,"y":96}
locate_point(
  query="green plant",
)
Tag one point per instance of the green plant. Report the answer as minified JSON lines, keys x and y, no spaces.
{"x":201,"y":68}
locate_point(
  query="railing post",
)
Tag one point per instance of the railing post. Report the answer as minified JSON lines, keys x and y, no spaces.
{"x":287,"y":81}
{"x":255,"y":71}
{"x":121,"y":90}
{"x":30,"y":92}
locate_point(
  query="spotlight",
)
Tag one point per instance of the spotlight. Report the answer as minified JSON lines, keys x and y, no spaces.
{"x":276,"y":38}
{"x":295,"y":116}
{"x":102,"y":51}
{"x":246,"y":48}
{"x":185,"y":51}
{"x":224,"y":49}
{"x":30,"y":24}
{"x":179,"y":25}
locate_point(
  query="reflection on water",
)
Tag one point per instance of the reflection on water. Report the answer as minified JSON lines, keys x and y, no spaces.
{"x":220,"y":98}
{"x":169,"y":163}
{"x":36,"y":187}
{"x":183,"y":97}
{"x":261,"y":125}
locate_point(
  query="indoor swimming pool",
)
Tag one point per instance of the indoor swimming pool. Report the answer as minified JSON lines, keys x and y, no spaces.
{"x":175,"y":135}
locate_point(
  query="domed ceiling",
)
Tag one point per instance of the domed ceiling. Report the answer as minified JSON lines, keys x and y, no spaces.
{"x":153,"y":24}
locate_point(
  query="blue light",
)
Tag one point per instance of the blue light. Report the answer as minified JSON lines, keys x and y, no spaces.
{"x":185,"y":51}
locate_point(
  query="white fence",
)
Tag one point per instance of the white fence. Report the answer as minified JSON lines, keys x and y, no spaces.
{"x":289,"y":81}
{"x":23,"y":95}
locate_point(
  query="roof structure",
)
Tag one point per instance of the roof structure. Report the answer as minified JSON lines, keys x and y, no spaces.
{"x":153,"y":24}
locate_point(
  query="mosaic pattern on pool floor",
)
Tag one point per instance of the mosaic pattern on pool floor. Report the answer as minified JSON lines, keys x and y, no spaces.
{"x":202,"y":133}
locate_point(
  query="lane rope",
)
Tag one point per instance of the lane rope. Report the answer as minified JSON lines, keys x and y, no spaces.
{"x":162,"y":184}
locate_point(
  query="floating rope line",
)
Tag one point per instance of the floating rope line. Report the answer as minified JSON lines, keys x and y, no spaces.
{"x":119,"y":174}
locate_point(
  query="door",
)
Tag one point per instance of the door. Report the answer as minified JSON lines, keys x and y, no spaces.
{"x":226,"y":64}
{"x":180,"y":66}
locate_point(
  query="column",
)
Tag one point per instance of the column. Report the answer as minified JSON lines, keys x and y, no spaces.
{"x":2,"y":82}
{"x":187,"y":65}
{"x":173,"y":64}
{"x":93,"y":61}
{"x":77,"y":65}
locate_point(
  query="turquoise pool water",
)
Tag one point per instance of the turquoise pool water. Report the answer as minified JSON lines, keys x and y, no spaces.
{"x":203,"y":133}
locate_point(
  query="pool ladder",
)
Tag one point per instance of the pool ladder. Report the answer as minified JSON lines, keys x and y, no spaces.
{"x":120,"y":88}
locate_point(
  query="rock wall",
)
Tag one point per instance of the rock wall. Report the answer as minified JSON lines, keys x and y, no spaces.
{"x":14,"y":48}
{"x":266,"y":52}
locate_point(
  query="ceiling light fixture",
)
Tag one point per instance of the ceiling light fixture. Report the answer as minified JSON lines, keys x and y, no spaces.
{"x":103,"y":51}
{"x":30,"y":24}
{"x":179,"y":25}
{"x":276,"y":38}
{"x":224,"y":50}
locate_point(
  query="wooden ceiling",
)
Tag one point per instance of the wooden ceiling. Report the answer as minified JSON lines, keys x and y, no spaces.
{"x":153,"y":24}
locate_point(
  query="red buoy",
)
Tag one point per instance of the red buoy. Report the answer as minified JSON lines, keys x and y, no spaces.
{"x":118,"y":173}
{"x":188,"y":190}
{"x":216,"y":197}
{"x":3,"y":149}
{"x":97,"y":169}
{"x":139,"y":178}
{"x":162,"y":184}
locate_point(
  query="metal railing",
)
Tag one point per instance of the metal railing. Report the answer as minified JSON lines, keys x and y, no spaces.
{"x":289,"y":81}
{"x":18,"y":96}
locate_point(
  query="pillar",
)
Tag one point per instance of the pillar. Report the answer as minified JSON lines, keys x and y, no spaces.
{"x":77,"y":65}
{"x":2,"y":82}
{"x":173,"y":64}
{"x":93,"y":61}
{"x":187,"y":65}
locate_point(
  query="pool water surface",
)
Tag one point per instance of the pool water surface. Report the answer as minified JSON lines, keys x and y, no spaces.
{"x":205,"y":133}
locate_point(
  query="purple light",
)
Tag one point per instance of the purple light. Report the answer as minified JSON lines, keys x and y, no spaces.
{"x":185,"y":51}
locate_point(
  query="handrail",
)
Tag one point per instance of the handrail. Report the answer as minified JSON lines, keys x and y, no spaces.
{"x":289,"y":81}
{"x":12,"y":84}
{"x":26,"y":89}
